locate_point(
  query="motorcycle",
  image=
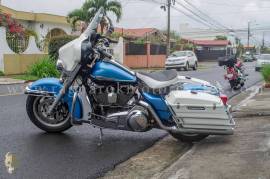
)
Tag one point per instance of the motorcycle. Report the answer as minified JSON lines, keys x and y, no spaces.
{"x":235,"y":72}
{"x":119,"y":98}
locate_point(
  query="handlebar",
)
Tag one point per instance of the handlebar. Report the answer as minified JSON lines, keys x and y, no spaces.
{"x":104,"y":53}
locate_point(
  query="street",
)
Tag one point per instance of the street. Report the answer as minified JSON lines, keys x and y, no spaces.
{"x":75,"y":153}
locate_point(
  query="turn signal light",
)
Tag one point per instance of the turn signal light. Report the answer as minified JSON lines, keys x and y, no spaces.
{"x":224,"y":99}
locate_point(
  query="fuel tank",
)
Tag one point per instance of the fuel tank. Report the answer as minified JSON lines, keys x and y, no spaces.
{"x":105,"y":70}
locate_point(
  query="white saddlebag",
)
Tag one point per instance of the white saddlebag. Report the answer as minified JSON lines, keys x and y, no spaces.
{"x":197,"y":110}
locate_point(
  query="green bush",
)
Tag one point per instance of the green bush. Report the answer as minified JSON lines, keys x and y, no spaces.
{"x":45,"y":67}
{"x":266,"y":73}
{"x":1,"y":73}
{"x":56,"y":43}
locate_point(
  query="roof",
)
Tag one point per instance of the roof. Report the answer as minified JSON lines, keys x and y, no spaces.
{"x":137,"y":33}
{"x":211,"y":42}
{"x":30,"y":16}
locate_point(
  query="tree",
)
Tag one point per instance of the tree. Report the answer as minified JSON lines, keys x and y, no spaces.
{"x":90,"y":8}
{"x":221,"y":37}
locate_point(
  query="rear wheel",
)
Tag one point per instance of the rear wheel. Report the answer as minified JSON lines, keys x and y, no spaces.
{"x":188,"y":138}
{"x":58,"y":121}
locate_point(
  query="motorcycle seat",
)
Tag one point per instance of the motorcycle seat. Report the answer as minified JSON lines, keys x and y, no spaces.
{"x":160,"y":79}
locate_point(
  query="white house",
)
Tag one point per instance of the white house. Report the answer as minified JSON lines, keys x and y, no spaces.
{"x":45,"y":25}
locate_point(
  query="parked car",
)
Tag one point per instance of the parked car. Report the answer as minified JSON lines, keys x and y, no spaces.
{"x":182,"y":59}
{"x":248,"y":58}
{"x":264,"y":59}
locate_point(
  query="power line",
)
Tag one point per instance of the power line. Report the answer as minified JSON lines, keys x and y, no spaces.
{"x":195,"y":19}
{"x":206,"y":15}
{"x":187,"y":15}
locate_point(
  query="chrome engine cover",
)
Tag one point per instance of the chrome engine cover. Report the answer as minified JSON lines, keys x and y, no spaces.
{"x":138,"y":119}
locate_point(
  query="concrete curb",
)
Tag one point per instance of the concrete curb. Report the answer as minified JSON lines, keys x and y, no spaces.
{"x":250,"y":114}
{"x":12,"y":83}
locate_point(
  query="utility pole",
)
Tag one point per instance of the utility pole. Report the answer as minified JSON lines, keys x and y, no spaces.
{"x":168,"y":8}
{"x":248,"y":34}
{"x":169,"y":27}
{"x":263,"y":42}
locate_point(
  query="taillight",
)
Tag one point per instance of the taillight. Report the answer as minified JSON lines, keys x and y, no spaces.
{"x":224,"y":98}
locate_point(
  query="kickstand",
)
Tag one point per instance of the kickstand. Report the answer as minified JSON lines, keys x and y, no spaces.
{"x":100,"y":137}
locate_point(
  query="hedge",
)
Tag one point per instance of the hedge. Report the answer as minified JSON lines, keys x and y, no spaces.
{"x":43,"y":68}
{"x":266,"y":73}
{"x":56,"y":43}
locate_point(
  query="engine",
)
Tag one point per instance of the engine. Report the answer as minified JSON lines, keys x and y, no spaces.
{"x":136,"y":119}
{"x":116,"y":94}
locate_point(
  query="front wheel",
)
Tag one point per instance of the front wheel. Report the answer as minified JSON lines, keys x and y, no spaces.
{"x":57,"y":122}
{"x":195,"y":66}
{"x":186,"y":67}
{"x":188,"y":138}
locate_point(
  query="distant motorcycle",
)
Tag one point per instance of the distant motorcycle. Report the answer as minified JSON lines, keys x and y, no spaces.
{"x":235,"y":72}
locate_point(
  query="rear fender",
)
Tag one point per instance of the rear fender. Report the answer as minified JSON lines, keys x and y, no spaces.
{"x":52,"y":87}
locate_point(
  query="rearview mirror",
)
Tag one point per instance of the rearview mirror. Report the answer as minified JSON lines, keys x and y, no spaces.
{"x":108,"y":25}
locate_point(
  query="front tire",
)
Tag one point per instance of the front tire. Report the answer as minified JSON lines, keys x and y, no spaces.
{"x":187,"y":67}
{"x":36,"y":109}
{"x":188,"y":138}
{"x":195,"y":66}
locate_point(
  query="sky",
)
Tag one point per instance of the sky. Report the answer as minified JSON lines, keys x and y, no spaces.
{"x":233,"y":14}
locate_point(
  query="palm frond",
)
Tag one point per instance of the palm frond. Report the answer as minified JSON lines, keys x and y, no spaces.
{"x":116,"y":8}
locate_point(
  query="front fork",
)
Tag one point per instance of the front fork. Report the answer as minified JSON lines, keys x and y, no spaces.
{"x":67,"y":84}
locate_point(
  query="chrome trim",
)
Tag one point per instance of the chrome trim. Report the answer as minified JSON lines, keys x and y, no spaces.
{"x":28,"y":91}
{"x":73,"y":107}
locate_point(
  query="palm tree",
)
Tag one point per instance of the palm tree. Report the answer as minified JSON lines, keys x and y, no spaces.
{"x":90,"y":8}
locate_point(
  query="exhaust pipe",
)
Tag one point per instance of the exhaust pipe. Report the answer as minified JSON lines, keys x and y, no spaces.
{"x":181,"y":129}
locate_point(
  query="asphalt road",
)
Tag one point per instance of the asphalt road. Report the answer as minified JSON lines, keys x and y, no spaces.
{"x":75,"y":153}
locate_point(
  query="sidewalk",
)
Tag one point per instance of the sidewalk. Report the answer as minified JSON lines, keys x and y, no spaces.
{"x":246,"y":154}
{"x":10,"y":81}
{"x":9,"y":86}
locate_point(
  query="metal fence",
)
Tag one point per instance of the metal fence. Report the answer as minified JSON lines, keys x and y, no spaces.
{"x":203,"y":55}
{"x":17,"y":44}
{"x":136,"y":49}
{"x":156,"y":49}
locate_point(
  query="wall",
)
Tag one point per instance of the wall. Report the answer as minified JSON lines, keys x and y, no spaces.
{"x":11,"y":63}
{"x":4,"y":48}
{"x":18,"y":63}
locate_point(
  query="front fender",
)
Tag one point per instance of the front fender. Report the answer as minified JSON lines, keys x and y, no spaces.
{"x":52,"y":86}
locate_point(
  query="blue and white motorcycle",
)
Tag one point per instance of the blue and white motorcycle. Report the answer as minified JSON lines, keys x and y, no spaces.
{"x":120,"y":98}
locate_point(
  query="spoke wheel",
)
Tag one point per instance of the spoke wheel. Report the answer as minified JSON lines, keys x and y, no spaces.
{"x":37,"y":109}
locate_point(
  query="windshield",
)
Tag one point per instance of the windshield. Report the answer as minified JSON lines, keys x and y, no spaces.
{"x":179,"y":54}
{"x":94,"y":23}
{"x":265,"y":57}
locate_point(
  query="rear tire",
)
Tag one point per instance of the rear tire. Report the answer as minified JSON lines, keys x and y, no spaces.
{"x":37,"y":118}
{"x":188,"y":138}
